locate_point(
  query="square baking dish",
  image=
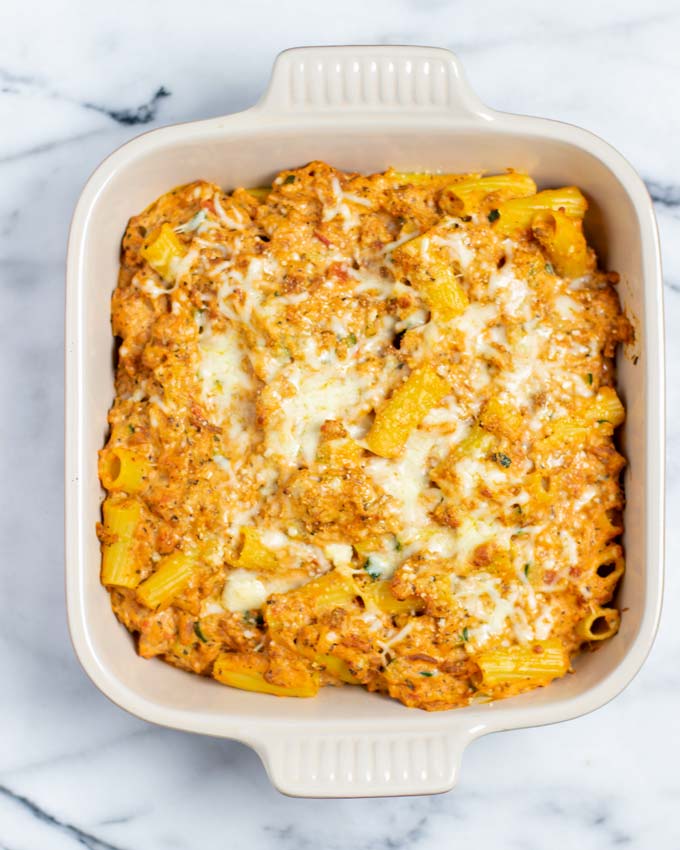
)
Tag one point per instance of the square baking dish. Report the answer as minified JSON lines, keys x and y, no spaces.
{"x":361,"y":109}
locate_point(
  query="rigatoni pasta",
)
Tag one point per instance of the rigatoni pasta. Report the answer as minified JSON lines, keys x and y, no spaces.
{"x":363,"y":434}
{"x":119,"y":563}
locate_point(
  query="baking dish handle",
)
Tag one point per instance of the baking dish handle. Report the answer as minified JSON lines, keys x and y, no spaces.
{"x":381,"y":79}
{"x":368,"y":765}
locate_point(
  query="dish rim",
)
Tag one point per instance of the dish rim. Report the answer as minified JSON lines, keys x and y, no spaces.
{"x":460,"y":109}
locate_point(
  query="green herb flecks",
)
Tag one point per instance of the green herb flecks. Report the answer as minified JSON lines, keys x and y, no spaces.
{"x":501,"y":458}
{"x":372,"y":568}
{"x":494,"y":215}
{"x":550,"y":268}
{"x":199,"y":632}
{"x":289,"y":179}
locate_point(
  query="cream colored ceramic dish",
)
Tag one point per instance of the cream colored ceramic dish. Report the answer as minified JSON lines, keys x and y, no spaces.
{"x":363,"y":109}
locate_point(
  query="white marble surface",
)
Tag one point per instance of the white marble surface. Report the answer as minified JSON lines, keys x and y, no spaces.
{"x":76,"y":80}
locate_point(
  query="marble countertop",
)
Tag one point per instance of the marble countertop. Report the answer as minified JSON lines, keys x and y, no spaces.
{"x":77,"y":80}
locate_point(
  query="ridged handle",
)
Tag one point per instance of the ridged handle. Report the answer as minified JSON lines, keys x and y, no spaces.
{"x":365,"y":79}
{"x":364,"y":765}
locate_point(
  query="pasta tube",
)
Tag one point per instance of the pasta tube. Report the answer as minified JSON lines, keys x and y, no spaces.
{"x":123,"y":469}
{"x":341,"y":451}
{"x":120,"y":522}
{"x":518,"y":213}
{"x":379,"y":594}
{"x":404,"y":411}
{"x":606,"y":407}
{"x":172,"y":576}
{"x":540,"y":662}
{"x":444,"y":295}
{"x":563,"y":241}
{"x":599,"y":624}
{"x":502,"y":419}
{"x":230,"y":669}
{"x":477,"y":444}
{"x":329,"y":591}
{"x":335,"y":666}
{"x":464,"y":197}
{"x":162,"y":252}
{"x":254,"y":554}
{"x":261,"y":193}
{"x":610,"y":563}
{"x":603,"y":412}
{"x":431,"y":271}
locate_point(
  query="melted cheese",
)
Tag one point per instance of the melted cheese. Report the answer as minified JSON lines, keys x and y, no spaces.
{"x":455,"y":240}
{"x":473,"y":322}
{"x":340,"y":208}
{"x":316,"y":397}
{"x":479,"y":595}
{"x":406,"y":479}
{"x":245,"y":591}
{"x":510,"y":292}
{"x":223,"y":374}
{"x":339,"y":554}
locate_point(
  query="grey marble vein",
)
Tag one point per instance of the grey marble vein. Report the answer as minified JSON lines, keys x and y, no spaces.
{"x":86,"y":839}
{"x":46,"y":147}
{"x":130,"y":117}
{"x":664,"y":194}
{"x":16,"y":84}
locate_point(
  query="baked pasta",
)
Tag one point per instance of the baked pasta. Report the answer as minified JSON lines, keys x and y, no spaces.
{"x":363,"y":434}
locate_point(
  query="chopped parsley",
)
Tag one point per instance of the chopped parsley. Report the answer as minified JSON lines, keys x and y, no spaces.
{"x":550,"y":268}
{"x":199,"y":632}
{"x":427,"y":673}
{"x":372,"y":568}
{"x":464,"y":635}
{"x":289,"y":179}
{"x":352,"y":339}
{"x":131,"y":429}
{"x":501,"y":458}
{"x":589,"y":377}
{"x":398,"y":545}
{"x":526,"y":570}
{"x":494,"y":215}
